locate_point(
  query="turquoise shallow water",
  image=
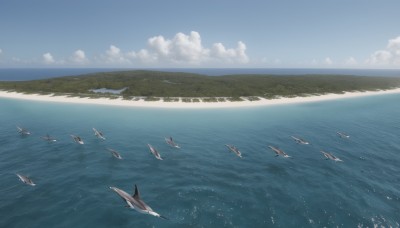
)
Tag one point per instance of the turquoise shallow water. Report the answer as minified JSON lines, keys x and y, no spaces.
{"x":203,"y":184}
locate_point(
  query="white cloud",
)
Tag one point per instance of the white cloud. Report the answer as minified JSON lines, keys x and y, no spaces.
{"x":48,"y":58}
{"x":328,"y":61}
{"x":238,"y":54}
{"x":179,"y":50}
{"x":182,"y":49}
{"x":394,"y":44}
{"x":351,"y":61}
{"x":160,"y":45}
{"x":113,"y":52}
{"x":146,"y":57}
{"x":390,"y":56}
{"x":381,"y":57}
{"x":188,"y":49}
{"x":114,"y":55}
{"x":1,"y":51}
{"x":79,"y":57}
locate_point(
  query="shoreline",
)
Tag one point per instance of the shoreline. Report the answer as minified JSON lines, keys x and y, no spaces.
{"x":191,"y":105}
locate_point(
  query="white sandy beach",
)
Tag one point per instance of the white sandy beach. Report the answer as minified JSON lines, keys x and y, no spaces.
{"x":180,"y":104}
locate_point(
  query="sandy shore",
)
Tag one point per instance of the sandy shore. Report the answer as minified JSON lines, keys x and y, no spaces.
{"x":180,"y":104}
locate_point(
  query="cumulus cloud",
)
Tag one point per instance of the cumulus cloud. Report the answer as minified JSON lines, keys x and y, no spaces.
{"x":145,"y":56}
{"x":394,"y":44}
{"x":114,"y":55}
{"x":188,"y":49}
{"x":351,"y":61}
{"x":238,"y":54}
{"x":328,"y":61}
{"x":48,"y":58}
{"x":390,"y":56}
{"x":160,"y":45}
{"x":180,"y":49}
{"x":79,"y":57}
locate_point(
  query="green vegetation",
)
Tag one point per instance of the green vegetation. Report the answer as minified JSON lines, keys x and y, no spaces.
{"x":210,"y":99}
{"x":187,"y":100}
{"x":234,"y":99}
{"x":152,"y":99}
{"x":171,"y":99}
{"x":253,"y":98}
{"x":156,"y":84}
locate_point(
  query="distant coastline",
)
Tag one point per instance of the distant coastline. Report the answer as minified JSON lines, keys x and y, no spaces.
{"x":161,"y":89}
{"x":140,"y":102}
{"x":24,"y":74}
{"x":153,"y":84}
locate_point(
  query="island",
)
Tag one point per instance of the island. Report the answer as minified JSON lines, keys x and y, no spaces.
{"x":173,"y":87}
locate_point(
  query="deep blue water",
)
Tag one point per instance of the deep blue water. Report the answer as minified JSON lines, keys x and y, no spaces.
{"x":23,"y":74}
{"x":203,"y":184}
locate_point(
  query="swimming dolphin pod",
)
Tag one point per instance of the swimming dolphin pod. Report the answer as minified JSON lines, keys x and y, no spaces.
{"x":25,"y":179}
{"x":136,"y":202}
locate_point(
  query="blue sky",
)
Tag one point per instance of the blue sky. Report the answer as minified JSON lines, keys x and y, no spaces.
{"x":223,"y":33}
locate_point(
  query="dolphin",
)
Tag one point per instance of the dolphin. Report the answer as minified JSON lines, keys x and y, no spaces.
{"x":48,"y":138}
{"x":279,"y":152}
{"x":300,"y":140}
{"x":171,"y":142}
{"x":342,"y":135}
{"x":23,"y":131}
{"x":330,"y":156}
{"x":234,"y":150}
{"x":135,"y":202}
{"x":25,"y":180}
{"x":77,"y":139}
{"x":154,"y":152}
{"x":99,"y":134}
{"x":115,"y":153}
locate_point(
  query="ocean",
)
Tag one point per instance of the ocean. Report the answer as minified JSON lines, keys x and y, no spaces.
{"x":203,"y":184}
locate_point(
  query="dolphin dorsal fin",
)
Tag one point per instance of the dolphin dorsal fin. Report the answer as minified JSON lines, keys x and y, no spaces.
{"x":136,"y":195}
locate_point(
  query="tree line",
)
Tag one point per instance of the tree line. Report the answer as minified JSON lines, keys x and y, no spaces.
{"x":177,"y":84}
